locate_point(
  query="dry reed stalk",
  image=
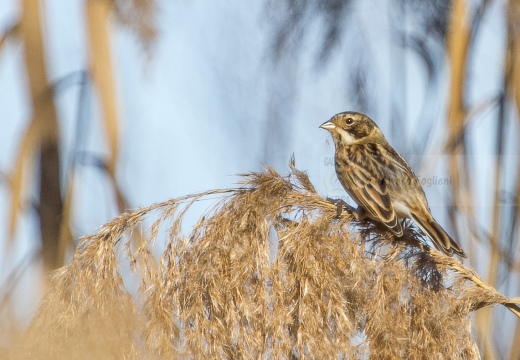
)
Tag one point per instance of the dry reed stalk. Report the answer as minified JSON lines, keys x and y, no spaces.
{"x":42,"y":139}
{"x":98,"y":12}
{"x":458,"y":40}
{"x":513,"y":64}
{"x":328,"y":292}
{"x":458,"y":44}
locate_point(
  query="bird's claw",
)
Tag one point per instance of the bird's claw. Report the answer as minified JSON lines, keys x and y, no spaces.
{"x":341,"y":206}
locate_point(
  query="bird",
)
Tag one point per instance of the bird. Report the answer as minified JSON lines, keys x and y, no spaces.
{"x":380,"y":181}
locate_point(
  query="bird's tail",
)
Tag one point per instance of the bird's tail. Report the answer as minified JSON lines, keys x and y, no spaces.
{"x":440,"y":238}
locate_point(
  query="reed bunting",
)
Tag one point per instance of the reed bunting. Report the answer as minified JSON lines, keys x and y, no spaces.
{"x":380,"y":181}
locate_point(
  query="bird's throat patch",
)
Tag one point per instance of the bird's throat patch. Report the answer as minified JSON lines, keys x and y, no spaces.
{"x":346,"y":137}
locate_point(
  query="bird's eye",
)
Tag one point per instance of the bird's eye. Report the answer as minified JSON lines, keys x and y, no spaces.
{"x":350,"y":121}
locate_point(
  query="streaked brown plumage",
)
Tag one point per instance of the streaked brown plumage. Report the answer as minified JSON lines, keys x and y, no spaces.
{"x":379,"y":179}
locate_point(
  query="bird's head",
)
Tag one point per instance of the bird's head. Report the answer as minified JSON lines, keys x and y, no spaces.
{"x":349,"y":128}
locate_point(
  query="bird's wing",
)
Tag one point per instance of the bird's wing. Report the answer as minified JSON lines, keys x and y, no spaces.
{"x":367,"y":185}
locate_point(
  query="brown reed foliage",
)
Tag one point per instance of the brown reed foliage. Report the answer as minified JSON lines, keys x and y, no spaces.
{"x":272,"y":270}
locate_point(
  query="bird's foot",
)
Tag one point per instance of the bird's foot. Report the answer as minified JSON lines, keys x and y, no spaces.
{"x":341,"y":206}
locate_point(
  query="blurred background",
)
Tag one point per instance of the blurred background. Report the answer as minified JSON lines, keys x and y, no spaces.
{"x":106,"y":105}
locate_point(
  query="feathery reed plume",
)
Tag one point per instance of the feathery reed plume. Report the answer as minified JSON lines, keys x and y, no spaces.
{"x":272,"y":270}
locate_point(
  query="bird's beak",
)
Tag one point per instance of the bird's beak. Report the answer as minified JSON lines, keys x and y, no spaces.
{"x":329,"y":125}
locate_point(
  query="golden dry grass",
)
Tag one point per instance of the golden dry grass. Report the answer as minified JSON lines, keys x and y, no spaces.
{"x":271,"y":271}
